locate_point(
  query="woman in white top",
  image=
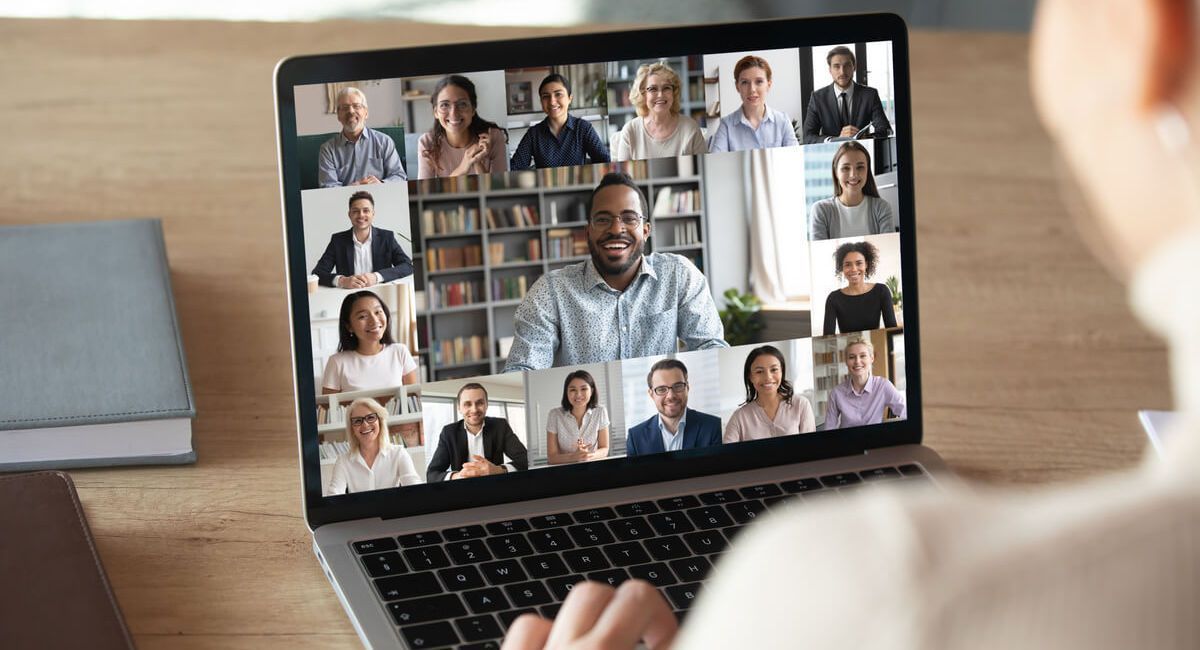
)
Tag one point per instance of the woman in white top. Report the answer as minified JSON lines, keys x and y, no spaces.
{"x":772,"y":407}
{"x":373,"y":462}
{"x":855,"y":209}
{"x":578,"y":431}
{"x":367,"y":356}
{"x":659,"y":130}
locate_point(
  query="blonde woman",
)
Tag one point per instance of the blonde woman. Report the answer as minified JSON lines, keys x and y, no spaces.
{"x":659,"y":130}
{"x":372,"y":462}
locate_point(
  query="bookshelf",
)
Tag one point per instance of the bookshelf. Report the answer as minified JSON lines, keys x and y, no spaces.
{"x":481,"y":242}
{"x":620,"y":78}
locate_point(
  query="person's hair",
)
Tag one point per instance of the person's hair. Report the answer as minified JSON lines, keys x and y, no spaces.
{"x":467,"y":387}
{"x":478,"y":125}
{"x":618,"y":178}
{"x":785,"y":386}
{"x":840,"y":50}
{"x":637,"y":90}
{"x":552,"y":78}
{"x":859,"y":341}
{"x":747,"y":62}
{"x":586,"y":376}
{"x":348,"y":90}
{"x":346,"y":339}
{"x":361,"y":194}
{"x":868,"y":250}
{"x":869,"y":188}
{"x":380,"y":412}
{"x":665,"y":364}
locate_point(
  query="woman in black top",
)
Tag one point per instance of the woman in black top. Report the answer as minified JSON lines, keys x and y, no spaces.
{"x":859,"y":305}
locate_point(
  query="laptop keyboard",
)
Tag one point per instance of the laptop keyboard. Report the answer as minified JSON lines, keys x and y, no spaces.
{"x":463,"y":587}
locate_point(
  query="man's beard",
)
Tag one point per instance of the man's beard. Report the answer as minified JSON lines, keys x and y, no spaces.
{"x":604,"y":267}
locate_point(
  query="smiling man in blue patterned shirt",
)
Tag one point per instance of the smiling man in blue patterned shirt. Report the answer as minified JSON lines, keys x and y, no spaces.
{"x":620,"y":304}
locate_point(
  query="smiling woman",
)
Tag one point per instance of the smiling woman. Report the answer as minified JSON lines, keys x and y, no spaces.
{"x":560,"y":139}
{"x":372,"y":462}
{"x":367,"y":356}
{"x":659,"y":130}
{"x":460,"y":141}
{"x":860,"y":304}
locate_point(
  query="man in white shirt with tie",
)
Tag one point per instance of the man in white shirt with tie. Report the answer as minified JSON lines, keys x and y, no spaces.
{"x":843,"y":108}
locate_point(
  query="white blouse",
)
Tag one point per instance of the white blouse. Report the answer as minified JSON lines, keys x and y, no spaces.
{"x":349,"y":370}
{"x":393,"y":467}
{"x":569,"y":432}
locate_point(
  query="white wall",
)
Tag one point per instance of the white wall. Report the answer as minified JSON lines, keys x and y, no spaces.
{"x":785,"y":92}
{"x":326,"y":211}
{"x":385,"y":106}
{"x":823,"y":267}
{"x":728,"y":263}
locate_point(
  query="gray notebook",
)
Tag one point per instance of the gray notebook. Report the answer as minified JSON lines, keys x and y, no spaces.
{"x":92,"y":369}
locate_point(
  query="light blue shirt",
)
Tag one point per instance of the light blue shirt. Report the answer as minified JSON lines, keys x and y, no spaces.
{"x":672,"y":441}
{"x":341,"y":162}
{"x":571,"y":316}
{"x":735,"y":133}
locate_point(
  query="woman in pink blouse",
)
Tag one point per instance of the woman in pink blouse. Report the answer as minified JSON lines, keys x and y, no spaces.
{"x":461,"y":141}
{"x":771,"y":408}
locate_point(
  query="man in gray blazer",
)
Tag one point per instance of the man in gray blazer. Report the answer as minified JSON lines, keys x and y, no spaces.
{"x":843,"y":108}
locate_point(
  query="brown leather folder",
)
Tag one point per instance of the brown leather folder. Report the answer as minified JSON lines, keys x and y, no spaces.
{"x":53,"y":591}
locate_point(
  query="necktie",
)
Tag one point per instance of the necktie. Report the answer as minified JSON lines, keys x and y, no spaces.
{"x":843,"y":114}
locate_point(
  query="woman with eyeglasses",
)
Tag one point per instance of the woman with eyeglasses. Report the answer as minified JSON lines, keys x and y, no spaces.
{"x":373,"y":461}
{"x":460,"y":141}
{"x":578,"y":430}
{"x":772,"y":407}
{"x":367,"y":357}
{"x":660,"y":130}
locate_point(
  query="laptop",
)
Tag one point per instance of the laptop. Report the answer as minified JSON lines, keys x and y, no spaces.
{"x":582,"y":307}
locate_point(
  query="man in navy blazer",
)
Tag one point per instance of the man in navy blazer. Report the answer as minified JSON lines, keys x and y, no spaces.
{"x":364,"y":255}
{"x":476,"y":445}
{"x":675,"y":426}
{"x":826,"y":118}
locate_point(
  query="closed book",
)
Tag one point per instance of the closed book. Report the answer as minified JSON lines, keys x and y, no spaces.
{"x":92,"y":367}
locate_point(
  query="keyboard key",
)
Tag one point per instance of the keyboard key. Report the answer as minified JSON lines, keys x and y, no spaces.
{"x":528,"y":594}
{"x":801,"y":485}
{"x":548,"y":541}
{"x":485,"y":600}
{"x":421,"y":539}
{"x":732,"y":531}
{"x":375,"y":545}
{"x":383,"y":564}
{"x":508,"y":527}
{"x":426,"y":557}
{"x":459,"y":578}
{"x":562,"y":586}
{"x":912,"y":470}
{"x":469,"y":551}
{"x":503,"y":572}
{"x":484,"y":645}
{"x":746,"y":511}
{"x":683,"y":595}
{"x":421,"y":610}
{"x":463,"y":532}
{"x":509,"y":617}
{"x":594,"y":514}
{"x":656,"y":574}
{"x":586,"y":559}
{"x":838,"y":480}
{"x":551,"y":521}
{"x":720,"y":496}
{"x":544,"y":566}
{"x":667,"y":548}
{"x":611,"y":577}
{"x":705,"y":542}
{"x":478,"y":628}
{"x":692,"y":568}
{"x":591,"y":534}
{"x":509,"y":546}
{"x":671,"y":523}
{"x":409,"y":586}
{"x":709,"y":517}
{"x":879,"y":473}
{"x":550,"y":611}
{"x":433,"y":635}
{"x":636,"y":509}
{"x":631,"y":529}
{"x":626,"y":554}
{"x":679,"y":503}
{"x":761,"y":491}
{"x":787,"y":499}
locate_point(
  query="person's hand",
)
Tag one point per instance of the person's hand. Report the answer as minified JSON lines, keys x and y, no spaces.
{"x":365,"y":280}
{"x":481,"y":466}
{"x":472,"y":156}
{"x":848,"y":131}
{"x":367,"y":180}
{"x":596,"y":616}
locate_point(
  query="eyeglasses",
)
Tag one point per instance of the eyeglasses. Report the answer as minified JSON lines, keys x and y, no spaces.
{"x":342,"y":108}
{"x":369,"y":418}
{"x":679,"y":388}
{"x":462,"y":105}
{"x":666,"y":89}
{"x":604,"y":221}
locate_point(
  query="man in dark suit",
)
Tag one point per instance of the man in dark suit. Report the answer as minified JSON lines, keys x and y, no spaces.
{"x":843,"y":108}
{"x":476,"y":445}
{"x":364,"y":255}
{"x":675,"y":426}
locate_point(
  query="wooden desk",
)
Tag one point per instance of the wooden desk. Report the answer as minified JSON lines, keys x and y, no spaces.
{"x":1033,"y":365}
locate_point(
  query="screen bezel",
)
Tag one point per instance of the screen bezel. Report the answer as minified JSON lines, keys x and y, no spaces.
{"x":564,"y":50}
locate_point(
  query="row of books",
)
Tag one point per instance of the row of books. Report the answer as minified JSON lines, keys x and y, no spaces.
{"x":461,"y":349}
{"x":687,"y":233}
{"x":453,"y":257}
{"x":497,"y":254}
{"x":454,"y":220}
{"x":455,"y":294}
{"x":564,"y":242}
{"x":514,"y":216}
{"x":826,"y":382}
{"x":338,"y":412}
{"x":826,"y":357}
{"x":591,"y":174}
{"x":574,"y":212}
{"x":671,"y":201}
{"x":510,"y":288}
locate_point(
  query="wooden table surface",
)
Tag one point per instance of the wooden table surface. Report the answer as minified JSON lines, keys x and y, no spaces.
{"x":1034,"y":367}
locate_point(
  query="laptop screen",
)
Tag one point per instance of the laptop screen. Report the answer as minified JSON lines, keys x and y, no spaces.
{"x":572,"y":263}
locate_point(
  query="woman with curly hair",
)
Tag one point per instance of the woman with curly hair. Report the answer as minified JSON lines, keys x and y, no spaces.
{"x":460,"y":141}
{"x":860,"y":304}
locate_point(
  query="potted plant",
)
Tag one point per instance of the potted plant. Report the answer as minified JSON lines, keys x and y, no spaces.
{"x":893,"y":285}
{"x":741,"y":317}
